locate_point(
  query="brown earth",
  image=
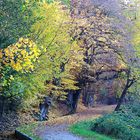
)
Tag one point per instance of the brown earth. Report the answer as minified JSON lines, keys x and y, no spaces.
{"x":83,"y":113}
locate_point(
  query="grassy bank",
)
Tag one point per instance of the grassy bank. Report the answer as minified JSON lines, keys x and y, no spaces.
{"x":84,"y":129}
{"x":29,"y":130}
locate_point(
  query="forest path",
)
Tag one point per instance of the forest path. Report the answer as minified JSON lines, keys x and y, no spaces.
{"x":57,"y":129}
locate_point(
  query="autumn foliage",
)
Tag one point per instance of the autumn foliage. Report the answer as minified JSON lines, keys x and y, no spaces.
{"x":21,"y":55}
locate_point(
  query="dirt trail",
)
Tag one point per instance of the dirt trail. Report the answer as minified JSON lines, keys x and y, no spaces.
{"x":57,"y":129}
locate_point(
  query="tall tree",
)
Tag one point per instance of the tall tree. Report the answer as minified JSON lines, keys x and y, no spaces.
{"x":102,"y":40}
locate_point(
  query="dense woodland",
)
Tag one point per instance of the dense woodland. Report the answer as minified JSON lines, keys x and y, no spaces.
{"x":58,"y":55}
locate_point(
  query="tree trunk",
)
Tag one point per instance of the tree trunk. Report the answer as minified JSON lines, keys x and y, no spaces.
{"x":129,"y":83}
{"x":121,"y":98}
{"x":74,"y":101}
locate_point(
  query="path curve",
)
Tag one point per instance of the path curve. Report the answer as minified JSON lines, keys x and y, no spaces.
{"x":57,"y":129}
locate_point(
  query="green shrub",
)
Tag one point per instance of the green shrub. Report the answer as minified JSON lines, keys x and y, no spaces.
{"x":121,"y":125}
{"x":136,"y":109}
{"x":133,"y":108}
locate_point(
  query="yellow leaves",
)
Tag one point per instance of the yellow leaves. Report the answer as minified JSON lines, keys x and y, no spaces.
{"x":121,"y":65}
{"x":11,"y":77}
{"x":18,"y":45}
{"x":23,"y":52}
{"x":21,"y":55}
{"x":1,"y":54}
{"x":7,"y":51}
{"x":17,"y":66}
{"x":26,"y":41}
{"x":12,"y":62}
{"x":102,"y":39}
{"x":21,"y":39}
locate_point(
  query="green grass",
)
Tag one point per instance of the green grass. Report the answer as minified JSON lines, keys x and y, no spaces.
{"x":84,"y":129}
{"x":29,"y":130}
